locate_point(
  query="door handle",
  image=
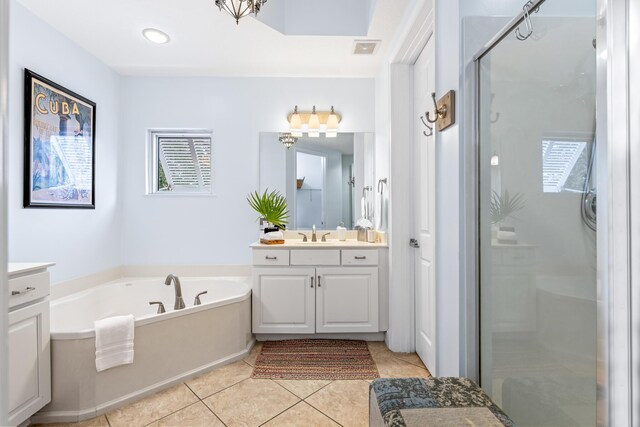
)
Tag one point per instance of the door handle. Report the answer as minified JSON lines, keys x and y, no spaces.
{"x":414,"y":243}
{"x":312,"y":280}
{"x":25,"y":291}
{"x":319,"y":281}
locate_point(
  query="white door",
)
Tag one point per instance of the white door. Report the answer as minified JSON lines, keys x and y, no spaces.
{"x":347,"y":299}
{"x":424,"y":209}
{"x":283,"y":300}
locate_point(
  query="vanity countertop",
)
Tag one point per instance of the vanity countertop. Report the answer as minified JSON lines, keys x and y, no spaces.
{"x":19,"y":268}
{"x":329,"y":244}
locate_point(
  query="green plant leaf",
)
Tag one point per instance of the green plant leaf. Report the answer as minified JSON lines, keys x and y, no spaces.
{"x":502,"y":206}
{"x":272,"y":206}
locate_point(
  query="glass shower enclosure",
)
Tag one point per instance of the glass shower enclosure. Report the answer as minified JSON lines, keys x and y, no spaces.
{"x":537,"y":200}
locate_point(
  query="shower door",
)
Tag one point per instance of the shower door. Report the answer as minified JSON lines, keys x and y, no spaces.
{"x":537,"y":199}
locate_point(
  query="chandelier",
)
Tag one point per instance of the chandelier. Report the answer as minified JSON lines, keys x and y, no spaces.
{"x":240,"y":8}
{"x":287,"y":140}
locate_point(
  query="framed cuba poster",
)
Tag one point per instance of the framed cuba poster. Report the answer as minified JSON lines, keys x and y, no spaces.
{"x":59,"y":140}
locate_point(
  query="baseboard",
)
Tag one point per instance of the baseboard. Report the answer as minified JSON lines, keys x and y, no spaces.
{"x":369,"y":336}
{"x":88,"y":413}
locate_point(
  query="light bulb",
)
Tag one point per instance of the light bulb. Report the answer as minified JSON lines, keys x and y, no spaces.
{"x":314,"y":124}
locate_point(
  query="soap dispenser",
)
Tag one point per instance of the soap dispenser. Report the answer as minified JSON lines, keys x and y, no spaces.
{"x":341,"y":231}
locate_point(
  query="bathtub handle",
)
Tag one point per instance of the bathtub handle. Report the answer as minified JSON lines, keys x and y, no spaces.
{"x":160,"y":306}
{"x":197,"y":300}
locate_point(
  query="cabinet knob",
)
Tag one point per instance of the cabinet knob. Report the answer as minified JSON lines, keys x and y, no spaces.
{"x":319,"y":285}
{"x":312,"y":280}
{"x":271,"y":258}
{"x":361,"y":257}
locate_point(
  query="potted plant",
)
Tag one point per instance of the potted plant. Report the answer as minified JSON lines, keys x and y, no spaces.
{"x":501,"y":207}
{"x":271,"y":208}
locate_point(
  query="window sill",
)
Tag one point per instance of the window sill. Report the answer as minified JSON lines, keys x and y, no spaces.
{"x":170,"y":195}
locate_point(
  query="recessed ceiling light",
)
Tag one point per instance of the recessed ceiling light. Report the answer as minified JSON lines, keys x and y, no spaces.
{"x":156,"y":36}
{"x":365,"y":47}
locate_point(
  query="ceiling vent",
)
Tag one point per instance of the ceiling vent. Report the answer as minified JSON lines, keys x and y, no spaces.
{"x":365,"y":47}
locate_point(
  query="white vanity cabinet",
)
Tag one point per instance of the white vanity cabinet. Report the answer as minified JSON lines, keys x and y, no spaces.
{"x":29,"y":352}
{"x":313,"y":291}
{"x":284,"y":300}
{"x":347,"y":299}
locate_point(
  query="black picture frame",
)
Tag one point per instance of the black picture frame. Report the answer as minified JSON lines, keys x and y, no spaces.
{"x":57,"y":158}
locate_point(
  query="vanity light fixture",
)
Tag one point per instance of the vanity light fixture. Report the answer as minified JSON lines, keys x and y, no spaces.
{"x":295,"y":124}
{"x":156,"y":36}
{"x":314,"y":123}
{"x":332,"y":124}
{"x":240,"y":8}
{"x":287,"y":140}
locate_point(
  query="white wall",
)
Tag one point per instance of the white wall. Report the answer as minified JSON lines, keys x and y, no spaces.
{"x":215,"y":230}
{"x":79,"y":241}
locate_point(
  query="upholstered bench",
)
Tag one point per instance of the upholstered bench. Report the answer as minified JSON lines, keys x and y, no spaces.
{"x":420,"y":402}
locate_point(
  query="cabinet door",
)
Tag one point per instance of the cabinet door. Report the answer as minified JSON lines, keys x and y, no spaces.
{"x":283,"y":301}
{"x":347,"y":299}
{"x":29,"y":361}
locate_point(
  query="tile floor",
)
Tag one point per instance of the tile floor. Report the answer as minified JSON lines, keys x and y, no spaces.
{"x":228,"y":396}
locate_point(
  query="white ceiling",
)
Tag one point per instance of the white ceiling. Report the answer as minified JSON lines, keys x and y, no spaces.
{"x":205,"y":41}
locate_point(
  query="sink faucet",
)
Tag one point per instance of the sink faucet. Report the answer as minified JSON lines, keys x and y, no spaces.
{"x":179,"y":305}
{"x":314,"y":237}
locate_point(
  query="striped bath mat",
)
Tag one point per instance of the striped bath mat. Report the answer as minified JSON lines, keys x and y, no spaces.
{"x":315,"y":360}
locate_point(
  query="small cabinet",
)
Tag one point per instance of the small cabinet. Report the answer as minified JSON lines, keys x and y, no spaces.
{"x":29,"y":361}
{"x":29,"y":344}
{"x":283,"y":300}
{"x":347,"y":299}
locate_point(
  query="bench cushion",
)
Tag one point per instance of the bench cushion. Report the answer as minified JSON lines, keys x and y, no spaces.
{"x":406,"y":402}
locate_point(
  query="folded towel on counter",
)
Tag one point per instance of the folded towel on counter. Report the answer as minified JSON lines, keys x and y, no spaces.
{"x":114,"y":341}
{"x":273,"y":235}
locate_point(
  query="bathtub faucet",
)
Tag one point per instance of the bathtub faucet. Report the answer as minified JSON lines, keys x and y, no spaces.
{"x":179,"y":305}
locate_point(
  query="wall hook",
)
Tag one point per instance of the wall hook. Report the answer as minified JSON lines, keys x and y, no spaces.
{"x":430,"y":128}
{"x":445,"y":111}
{"x":440,"y":113}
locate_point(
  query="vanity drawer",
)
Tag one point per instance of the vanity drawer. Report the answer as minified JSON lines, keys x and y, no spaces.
{"x":271,"y":257}
{"x":28,"y":288}
{"x":359,"y":257}
{"x":315,"y":257}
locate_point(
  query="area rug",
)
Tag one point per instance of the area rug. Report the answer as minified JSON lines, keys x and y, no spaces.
{"x":315,"y":360}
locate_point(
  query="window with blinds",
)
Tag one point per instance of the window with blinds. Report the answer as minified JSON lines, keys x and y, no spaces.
{"x":564,"y":166}
{"x":181,"y":163}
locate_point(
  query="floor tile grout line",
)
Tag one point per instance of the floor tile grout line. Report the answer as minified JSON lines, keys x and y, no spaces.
{"x":168,"y":415}
{"x":214,"y":414}
{"x":222,"y":389}
{"x":317,"y":409}
{"x":411,"y":363}
{"x":280,"y":413}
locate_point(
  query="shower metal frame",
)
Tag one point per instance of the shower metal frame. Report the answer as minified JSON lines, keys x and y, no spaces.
{"x":618,"y":290}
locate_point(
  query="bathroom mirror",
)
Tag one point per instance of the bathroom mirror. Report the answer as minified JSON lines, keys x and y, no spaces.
{"x":327,"y":181}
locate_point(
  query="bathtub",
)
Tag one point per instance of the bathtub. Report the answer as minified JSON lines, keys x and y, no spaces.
{"x":567,"y":315}
{"x":169,"y":347}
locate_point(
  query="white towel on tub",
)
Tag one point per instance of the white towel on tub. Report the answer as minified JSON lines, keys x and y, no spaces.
{"x":114,"y":341}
